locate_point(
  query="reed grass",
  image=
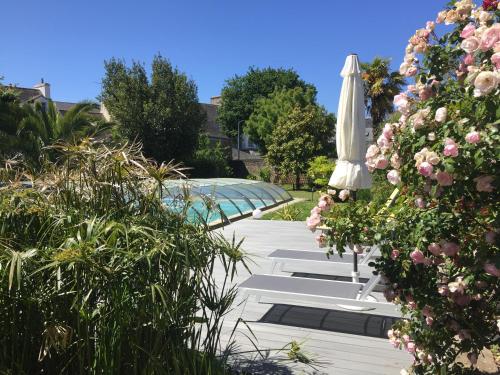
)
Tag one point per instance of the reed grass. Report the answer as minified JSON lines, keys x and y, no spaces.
{"x":97,"y":276}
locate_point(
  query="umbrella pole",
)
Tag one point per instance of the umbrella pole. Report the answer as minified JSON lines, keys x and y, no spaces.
{"x":355,"y":272}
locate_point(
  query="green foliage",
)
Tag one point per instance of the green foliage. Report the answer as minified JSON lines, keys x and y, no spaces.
{"x":297,"y":138}
{"x":99,"y":276}
{"x":28,"y":130}
{"x":439,"y":243}
{"x":162,"y":112}
{"x":269,"y":110}
{"x":209,"y":161}
{"x":380,"y":87}
{"x":351,"y":223}
{"x":240,"y":94}
{"x":289,"y":212}
{"x":319,"y":171}
{"x":265,"y":174}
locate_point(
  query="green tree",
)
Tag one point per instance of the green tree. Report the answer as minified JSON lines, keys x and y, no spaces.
{"x":162,"y":112}
{"x":209,"y":160}
{"x":381,"y":85}
{"x":298,"y":137}
{"x":27,"y":129}
{"x":11,"y":115}
{"x":268,"y":110}
{"x":240,"y":94}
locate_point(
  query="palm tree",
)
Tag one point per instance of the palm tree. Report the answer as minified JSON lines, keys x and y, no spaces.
{"x":45,"y":126}
{"x":381,"y":85}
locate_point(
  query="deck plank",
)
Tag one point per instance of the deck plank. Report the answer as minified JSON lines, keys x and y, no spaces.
{"x":337,"y":353}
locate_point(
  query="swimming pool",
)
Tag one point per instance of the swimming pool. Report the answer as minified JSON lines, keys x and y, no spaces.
{"x":221,"y":200}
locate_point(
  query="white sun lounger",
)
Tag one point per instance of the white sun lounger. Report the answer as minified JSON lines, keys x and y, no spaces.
{"x":306,"y":260}
{"x":303,"y":291}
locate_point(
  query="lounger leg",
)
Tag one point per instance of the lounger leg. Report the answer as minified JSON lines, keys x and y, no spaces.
{"x":277,"y":264}
{"x":245,"y":300}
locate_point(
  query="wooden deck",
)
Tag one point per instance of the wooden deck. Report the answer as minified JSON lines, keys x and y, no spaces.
{"x":340,"y":342}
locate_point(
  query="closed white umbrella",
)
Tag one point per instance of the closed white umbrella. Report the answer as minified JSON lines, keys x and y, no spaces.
{"x":350,"y":171}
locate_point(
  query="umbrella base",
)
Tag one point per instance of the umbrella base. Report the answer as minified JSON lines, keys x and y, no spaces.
{"x":359,"y":308}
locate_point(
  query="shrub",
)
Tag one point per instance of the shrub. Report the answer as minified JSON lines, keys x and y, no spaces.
{"x":98,"y":276}
{"x":265,"y":174}
{"x":319,"y":171}
{"x":439,"y":243}
{"x":289,"y":212}
{"x":209,"y":161}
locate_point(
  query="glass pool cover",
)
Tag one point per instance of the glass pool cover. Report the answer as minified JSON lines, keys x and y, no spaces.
{"x":222,"y":199}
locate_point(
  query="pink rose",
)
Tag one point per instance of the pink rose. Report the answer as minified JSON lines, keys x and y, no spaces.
{"x":491,"y":269}
{"x":393,"y":177}
{"x":425,"y":169}
{"x":473,"y":137}
{"x":411,"y":71}
{"x":394,"y":254}
{"x":443,"y":290}
{"x":434,"y":248}
{"x":450,"y":248}
{"x":441,"y":114}
{"x":372,"y":151}
{"x":417,"y":256}
{"x":381,"y":162}
{"x":322,"y":205}
{"x":468,"y":31}
{"x":401,"y":102}
{"x":313,"y":221}
{"x":444,"y":178}
{"x":430,"y":25}
{"x":495,"y":59}
{"x":483,"y":184}
{"x":316,"y":210}
{"x":451,"y":150}
{"x":425,"y":93}
{"x":441,"y":16}
{"x":344,"y":194}
{"x":427,"y":311}
{"x":470,"y":44}
{"x":411,"y":347}
{"x":429,"y":320}
{"x":321,"y":240}
{"x":387,"y":131}
{"x":490,"y":37}
{"x":420,"y":203}
{"x":469,"y":59}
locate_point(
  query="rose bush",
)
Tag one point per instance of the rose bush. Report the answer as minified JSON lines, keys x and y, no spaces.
{"x":440,"y":253}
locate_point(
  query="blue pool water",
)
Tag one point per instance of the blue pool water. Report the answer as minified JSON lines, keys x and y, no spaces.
{"x":222,"y":199}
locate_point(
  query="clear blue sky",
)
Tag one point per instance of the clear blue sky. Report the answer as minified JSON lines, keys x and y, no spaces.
{"x":66,"y":42}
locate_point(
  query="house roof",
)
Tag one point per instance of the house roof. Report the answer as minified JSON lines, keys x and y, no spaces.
{"x":66,"y":106}
{"x":26,"y":94}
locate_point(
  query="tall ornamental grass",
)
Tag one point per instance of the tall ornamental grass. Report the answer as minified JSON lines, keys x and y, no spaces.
{"x":97,"y":276}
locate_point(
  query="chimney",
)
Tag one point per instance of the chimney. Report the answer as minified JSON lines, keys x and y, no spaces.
{"x":44,"y":88}
{"x":215,"y":100}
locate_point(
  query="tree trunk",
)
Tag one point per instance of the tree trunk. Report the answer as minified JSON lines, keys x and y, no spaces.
{"x":297,"y":181}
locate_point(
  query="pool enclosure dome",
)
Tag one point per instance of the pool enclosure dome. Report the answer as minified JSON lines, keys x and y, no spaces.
{"x":222,"y":200}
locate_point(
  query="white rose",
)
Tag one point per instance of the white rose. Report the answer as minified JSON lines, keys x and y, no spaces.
{"x":479,"y":31}
{"x":470,"y":44}
{"x":441,"y":114}
{"x":403,"y":68}
{"x":484,"y":17}
{"x":432,"y":158}
{"x":485,"y":83}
